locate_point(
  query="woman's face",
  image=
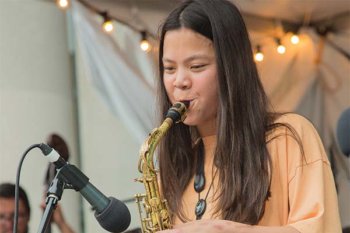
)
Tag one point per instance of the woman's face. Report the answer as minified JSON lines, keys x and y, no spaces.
{"x":190,"y":74}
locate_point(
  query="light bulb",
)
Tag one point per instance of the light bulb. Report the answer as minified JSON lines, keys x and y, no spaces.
{"x":145,"y":45}
{"x":295,"y":39}
{"x":107,"y":26}
{"x":259,"y":56}
{"x":62,"y":3}
{"x":281,"y":49}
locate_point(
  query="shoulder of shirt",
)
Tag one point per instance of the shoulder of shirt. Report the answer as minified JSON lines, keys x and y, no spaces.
{"x":305,"y":132}
{"x":292,"y":118}
{"x":291,"y":124}
{"x":297,"y":122}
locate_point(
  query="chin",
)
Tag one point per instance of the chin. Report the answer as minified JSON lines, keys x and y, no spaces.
{"x":190,"y":122}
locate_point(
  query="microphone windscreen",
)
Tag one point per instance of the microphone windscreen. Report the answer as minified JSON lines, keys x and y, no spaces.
{"x":115,"y":217}
{"x":343,"y":132}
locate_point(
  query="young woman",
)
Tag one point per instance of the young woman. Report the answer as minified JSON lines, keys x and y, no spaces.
{"x":233,"y":165}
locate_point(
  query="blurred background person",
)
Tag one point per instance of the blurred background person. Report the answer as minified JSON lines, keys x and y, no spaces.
{"x":7,"y":211}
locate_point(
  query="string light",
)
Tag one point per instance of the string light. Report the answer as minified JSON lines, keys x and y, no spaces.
{"x":107,"y":24}
{"x":144,"y":44}
{"x":294,"y":39}
{"x":280,"y":48}
{"x":63,"y":4}
{"x":258,"y":56}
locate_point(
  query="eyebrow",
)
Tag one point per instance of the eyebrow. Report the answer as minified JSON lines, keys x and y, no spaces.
{"x":191,"y":58}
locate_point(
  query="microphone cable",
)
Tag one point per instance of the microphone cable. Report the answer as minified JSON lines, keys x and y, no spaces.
{"x":15,"y":221}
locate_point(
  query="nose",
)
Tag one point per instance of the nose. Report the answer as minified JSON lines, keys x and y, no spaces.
{"x":182,"y":80}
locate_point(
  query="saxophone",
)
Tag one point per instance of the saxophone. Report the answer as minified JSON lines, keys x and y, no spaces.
{"x":155,"y":216}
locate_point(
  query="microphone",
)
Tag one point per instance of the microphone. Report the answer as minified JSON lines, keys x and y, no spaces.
{"x":112,"y":214}
{"x":343,"y":132}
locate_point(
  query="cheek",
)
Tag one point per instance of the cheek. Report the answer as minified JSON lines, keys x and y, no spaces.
{"x":212,"y":100}
{"x":213,"y":90}
{"x":168,"y":87}
{"x":209,"y":85}
{"x":210,"y":90}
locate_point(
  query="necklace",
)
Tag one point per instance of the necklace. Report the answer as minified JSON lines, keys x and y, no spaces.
{"x":199,"y":184}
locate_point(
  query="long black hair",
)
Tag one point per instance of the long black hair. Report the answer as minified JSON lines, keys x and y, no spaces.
{"x":243,"y":117}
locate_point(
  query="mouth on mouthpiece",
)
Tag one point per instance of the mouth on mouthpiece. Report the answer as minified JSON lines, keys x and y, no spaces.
{"x":186,"y":103}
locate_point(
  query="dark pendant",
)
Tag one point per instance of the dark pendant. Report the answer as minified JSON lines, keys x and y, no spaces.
{"x":199,"y":182}
{"x":200,"y":208}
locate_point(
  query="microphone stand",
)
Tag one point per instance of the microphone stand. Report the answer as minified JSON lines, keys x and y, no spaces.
{"x":54,"y":194}
{"x":50,"y":175}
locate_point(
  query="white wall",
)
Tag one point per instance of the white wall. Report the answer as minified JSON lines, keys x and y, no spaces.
{"x":36,"y":96}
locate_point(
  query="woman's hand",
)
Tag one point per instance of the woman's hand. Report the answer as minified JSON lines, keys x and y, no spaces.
{"x":225,"y":226}
{"x":208,"y":226}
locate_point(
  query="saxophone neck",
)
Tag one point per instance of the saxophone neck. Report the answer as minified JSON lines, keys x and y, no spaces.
{"x":150,"y":144}
{"x":175,"y":114}
{"x":157,"y":215}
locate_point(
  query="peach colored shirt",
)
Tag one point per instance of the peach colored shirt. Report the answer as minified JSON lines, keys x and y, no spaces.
{"x":303,"y":192}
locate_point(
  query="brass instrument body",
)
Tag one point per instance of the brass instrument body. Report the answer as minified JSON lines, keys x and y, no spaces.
{"x":156,"y":214}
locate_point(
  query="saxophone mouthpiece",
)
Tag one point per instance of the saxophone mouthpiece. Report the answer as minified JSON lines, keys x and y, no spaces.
{"x":178,"y":111}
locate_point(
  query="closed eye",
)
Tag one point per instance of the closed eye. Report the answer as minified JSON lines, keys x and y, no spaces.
{"x":198,"y":67}
{"x":169,"y":69}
